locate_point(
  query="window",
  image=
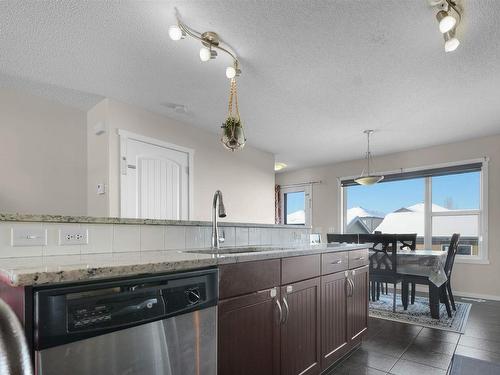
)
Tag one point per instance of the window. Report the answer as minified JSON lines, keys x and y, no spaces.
{"x":296,"y":205}
{"x":432,"y":202}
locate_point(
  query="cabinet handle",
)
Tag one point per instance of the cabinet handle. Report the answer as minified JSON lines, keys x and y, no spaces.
{"x":359,"y":258}
{"x":351,"y":288}
{"x":280,"y":310}
{"x":285,"y":303}
{"x":337,"y":262}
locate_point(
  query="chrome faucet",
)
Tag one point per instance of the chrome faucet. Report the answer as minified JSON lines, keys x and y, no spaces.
{"x":219,"y":211}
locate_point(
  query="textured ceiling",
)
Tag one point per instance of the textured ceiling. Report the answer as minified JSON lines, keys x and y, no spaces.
{"x":315,"y":73}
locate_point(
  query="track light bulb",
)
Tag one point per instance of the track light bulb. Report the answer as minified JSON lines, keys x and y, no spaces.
{"x":446,"y":22}
{"x":230,"y":72}
{"x":175,"y":32}
{"x":207,"y":54}
{"x":450,"y":42}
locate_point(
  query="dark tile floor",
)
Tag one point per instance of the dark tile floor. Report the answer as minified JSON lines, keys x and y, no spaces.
{"x":403,"y":349}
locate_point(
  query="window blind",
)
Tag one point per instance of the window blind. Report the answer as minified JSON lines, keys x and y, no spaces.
{"x":431,"y":172}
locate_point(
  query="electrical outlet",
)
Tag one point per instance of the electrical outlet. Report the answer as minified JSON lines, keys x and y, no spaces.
{"x":73,"y":236}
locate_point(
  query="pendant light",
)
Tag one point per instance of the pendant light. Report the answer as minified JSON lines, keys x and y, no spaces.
{"x":368,"y":178}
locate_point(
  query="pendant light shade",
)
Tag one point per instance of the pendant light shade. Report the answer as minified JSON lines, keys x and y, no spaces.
{"x":368,"y":178}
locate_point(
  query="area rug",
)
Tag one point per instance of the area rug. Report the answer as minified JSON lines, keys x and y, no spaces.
{"x":419,"y":313}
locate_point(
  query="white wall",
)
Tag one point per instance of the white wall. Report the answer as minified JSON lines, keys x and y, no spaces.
{"x":42,"y":156}
{"x":468,"y":278}
{"x":246,"y":178}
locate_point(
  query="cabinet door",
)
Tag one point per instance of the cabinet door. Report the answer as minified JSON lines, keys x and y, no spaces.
{"x":357,"y":306}
{"x":334,"y":337}
{"x":300,"y":340}
{"x":248,"y":334}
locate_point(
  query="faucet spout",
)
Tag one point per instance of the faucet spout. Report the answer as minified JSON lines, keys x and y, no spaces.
{"x":218,"y":210}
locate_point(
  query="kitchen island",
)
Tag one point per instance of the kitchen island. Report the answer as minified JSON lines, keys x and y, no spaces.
{"x":290,"y":309}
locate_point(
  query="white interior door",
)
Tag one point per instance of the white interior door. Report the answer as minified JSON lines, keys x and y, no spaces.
{"x":155,"y":180}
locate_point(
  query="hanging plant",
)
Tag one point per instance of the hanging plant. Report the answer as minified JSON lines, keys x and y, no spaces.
{"x":233,"y":135}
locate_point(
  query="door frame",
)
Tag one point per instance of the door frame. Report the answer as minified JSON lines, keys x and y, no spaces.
{"x":125,"y":135}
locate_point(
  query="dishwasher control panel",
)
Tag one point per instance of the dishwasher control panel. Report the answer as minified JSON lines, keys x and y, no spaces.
{"x":99,"y":312}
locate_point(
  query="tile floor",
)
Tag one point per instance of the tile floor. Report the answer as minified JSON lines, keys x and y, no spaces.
{"x":403,"y":349}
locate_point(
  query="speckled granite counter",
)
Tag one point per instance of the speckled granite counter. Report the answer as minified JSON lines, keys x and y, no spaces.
{"x":29,"y":218}
{"x":70,"y":268}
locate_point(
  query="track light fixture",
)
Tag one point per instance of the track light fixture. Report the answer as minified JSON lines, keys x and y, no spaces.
{"x":211,"y":43}
{"x":448,"y":22}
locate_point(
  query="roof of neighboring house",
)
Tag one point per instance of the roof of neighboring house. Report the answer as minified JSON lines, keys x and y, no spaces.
{"x":297,"y":217}
{"x":355,"y":212}
{"x":413,"y":222}
{"x":357,"y":221}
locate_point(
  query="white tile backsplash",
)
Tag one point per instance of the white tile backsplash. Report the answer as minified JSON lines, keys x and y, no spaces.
{"x":119,"y":238}
{"x":229,"y":234}
{"x":254,"y":236}
{"x":126,"y":238}
{"x":266,"y":236}
{"x":241,"y":236}
{"x":152,"y":237}
{"x":195,"y":237}
{"x":7,"y":250}
{"x":175,"y":237}
{"x":276,"y":236}
{"x":53,"y":247}
{"x":100,"y":239}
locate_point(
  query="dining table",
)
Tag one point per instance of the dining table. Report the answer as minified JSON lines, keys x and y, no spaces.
{"x":426,"y":263}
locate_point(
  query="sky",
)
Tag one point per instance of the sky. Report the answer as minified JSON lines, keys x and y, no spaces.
{"x":294,"y":201}
{"x":460,"y":191}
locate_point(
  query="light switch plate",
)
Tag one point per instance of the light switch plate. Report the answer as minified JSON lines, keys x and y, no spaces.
{"x":28,"y":236}
{"x":73,"y":236}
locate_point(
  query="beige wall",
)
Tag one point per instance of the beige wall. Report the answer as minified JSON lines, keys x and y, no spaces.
{"x":42,"y":156}
{"x":468,"y":278}
{"x":246,"y":178}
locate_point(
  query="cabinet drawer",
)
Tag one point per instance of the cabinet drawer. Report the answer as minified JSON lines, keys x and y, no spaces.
{"x":334,"y":262}
{"x":300,"y":268}
{"x":358,"y":258}
{"x":247,"y":277}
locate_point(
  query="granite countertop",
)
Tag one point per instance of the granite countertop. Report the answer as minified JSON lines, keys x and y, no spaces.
{"x":71,"y":268}
{"x":116,"y":220}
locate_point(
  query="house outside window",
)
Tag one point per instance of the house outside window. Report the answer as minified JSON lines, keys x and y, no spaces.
{"x":433,"y":202}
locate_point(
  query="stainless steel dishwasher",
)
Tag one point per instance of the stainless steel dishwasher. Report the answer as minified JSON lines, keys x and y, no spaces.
{"x":159,"y":325}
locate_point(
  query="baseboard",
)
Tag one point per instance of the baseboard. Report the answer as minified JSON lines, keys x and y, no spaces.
{"x":424,"y":289}
{"x":476,"y":295}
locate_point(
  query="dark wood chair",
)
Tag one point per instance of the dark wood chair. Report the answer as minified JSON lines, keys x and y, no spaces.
{"x":383,"y":263}
{"x":342,"y":238}
{"x":445,"y":295}
{"x":408,"y":241}
{"x":448,"y":267}
{"x":379,"y":243}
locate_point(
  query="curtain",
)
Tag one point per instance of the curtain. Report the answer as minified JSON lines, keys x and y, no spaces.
{"x":277,"y":204}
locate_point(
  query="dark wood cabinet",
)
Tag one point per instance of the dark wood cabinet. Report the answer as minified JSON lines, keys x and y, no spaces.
{"x":249,"y":334}
{"x":357,"y":304}
{"x":334,"y":335}
{"x":303,"y":326}
{"x":300,"y":340}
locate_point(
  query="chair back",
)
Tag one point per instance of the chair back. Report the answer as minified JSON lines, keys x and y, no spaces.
{"x":407,"y":241}
{"x":450,"y":257}
{"x":380,"y":242}
{"x":383,"y":258}
{"x":342,"y":238}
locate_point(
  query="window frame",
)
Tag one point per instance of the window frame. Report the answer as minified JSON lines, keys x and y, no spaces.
{"x":482,"y":212}
{"x":307,"y":189}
